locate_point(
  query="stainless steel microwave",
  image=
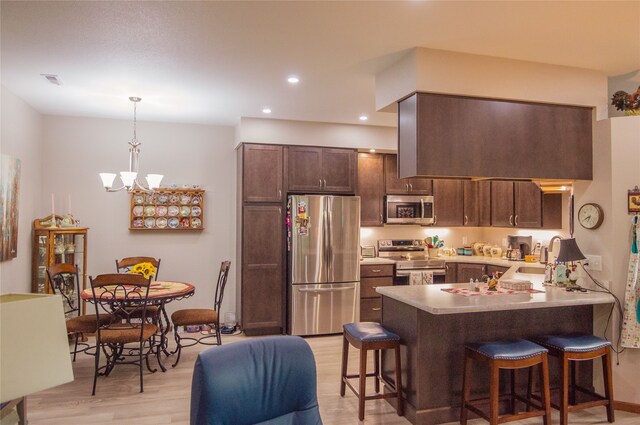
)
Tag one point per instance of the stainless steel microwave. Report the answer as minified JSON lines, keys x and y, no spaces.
{"x":408,"y":209}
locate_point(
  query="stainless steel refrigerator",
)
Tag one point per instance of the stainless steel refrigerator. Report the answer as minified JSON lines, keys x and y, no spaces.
{"x":324,"y":269}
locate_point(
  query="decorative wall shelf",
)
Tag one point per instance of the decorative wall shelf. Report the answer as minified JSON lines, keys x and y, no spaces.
{"x":167,"y":210}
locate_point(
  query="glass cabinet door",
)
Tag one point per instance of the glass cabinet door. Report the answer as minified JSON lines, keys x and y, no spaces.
{"x":42,"y":261}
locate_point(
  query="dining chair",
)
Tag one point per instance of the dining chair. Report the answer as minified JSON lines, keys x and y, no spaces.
{"x":270,"y":380}
{"x":64,"y":280}
{"x":126,"y":264}
{"x":201,"y":316}
{"x":124,"y":298}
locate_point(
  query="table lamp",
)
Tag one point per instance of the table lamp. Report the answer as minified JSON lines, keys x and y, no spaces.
{"x":34,"y":349}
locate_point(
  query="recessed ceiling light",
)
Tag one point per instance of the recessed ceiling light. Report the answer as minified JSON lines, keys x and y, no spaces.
{"x":53,"y":79}
{"x":372,"y":150}
{"x":266,"y":110}
{"x":292,"y":79}
{"x":363,"y":117}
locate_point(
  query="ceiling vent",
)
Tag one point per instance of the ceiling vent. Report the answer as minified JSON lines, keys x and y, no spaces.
{"x":53,"y":79}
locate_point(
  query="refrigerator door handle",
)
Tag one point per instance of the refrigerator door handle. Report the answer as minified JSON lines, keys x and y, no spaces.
{"x":329,"y":250}
{"x":350,"y":288}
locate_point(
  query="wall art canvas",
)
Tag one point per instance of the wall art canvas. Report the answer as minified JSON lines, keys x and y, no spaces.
{"x":9,"y":190}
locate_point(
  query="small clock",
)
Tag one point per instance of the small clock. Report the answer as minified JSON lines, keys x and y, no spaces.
{"x":590,"y":216}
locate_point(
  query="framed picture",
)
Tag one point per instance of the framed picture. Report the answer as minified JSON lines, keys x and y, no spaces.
{"x":9,"y":188}
{"x":634,"y":201}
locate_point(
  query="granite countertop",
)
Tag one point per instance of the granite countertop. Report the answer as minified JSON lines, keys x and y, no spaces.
{"x":432,"y":299}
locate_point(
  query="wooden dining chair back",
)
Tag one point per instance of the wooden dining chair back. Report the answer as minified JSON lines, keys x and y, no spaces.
{"x":126,"y":264}
{"x":124,"y":298}
{"x":201,"y":316}
{"x":64,"y":280}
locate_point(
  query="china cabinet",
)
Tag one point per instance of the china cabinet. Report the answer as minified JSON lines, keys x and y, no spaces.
{"x":56,"y":245}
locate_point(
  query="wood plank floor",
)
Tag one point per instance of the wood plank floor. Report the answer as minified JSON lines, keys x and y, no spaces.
{"x":166,"y":396}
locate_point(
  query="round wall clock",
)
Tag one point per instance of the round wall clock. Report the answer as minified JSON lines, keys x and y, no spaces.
{"x":590,"y":216}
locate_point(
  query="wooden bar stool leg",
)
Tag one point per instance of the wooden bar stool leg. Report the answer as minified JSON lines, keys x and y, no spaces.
{"x":572,"y":388}
{"x":376,"y":369}
{"x":564,"y":390}
{"x":345,"y":359}
{"x":466,"y":388}
{"x":494,"y":396}
{"x":544,"y":391}
{"x":608,"y":384}
{"x":363,"y":383}
{"x":400,"y":407}
{"x":530,"y":387}
{"x":513,"y":391}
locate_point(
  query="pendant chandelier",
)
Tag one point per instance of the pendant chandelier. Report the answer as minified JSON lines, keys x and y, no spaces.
{"x":129,"y":178}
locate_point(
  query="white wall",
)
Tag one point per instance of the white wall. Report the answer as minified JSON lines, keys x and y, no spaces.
{"x":22,"y":137}
{"x":616,"y":169}
{"x":76,"y":149}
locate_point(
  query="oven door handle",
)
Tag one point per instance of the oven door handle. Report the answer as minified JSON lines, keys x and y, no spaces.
{"x":436,"y":272}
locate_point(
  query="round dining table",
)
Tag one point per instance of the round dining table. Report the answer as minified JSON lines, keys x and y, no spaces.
{"x":160,"y":294}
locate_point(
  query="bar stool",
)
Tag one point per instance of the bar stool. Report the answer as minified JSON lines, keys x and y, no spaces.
{"x":510,"y":355}
{"x":570,"y":349}
{"x":367,"y":336}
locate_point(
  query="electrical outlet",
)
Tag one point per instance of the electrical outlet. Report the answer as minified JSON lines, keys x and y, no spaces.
{"x":464,"y":240}
{"x":595,"y":262}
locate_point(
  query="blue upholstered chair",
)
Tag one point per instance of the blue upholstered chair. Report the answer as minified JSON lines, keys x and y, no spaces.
{"x":267,"y":381}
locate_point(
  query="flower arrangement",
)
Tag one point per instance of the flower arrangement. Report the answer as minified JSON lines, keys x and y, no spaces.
{"x":146,"y":269}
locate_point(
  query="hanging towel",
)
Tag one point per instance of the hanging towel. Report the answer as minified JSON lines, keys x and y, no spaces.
{"x":422,"y":277}
{"x":631,"y":321}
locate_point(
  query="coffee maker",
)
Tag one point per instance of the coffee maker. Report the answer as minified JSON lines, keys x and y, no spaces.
{"x":519,"y":246}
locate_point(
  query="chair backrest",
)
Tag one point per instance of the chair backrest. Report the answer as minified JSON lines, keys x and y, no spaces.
{"x":222,"y":282}
{"x":125,"y":265}
{"x":256,"y":381}
{"x":124,"y":297}
{"x":64,"y":280}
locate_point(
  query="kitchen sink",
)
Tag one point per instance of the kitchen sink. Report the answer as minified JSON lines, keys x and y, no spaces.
{"x":531,"y":270}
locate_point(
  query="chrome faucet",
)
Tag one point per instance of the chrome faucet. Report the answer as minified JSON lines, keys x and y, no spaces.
{"x":553,"y":239}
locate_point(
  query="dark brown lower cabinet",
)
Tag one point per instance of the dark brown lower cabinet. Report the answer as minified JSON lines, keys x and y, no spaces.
{"x":491,"y":269}
{"x":468,"y":271}
{"x":451,"y":275}
{"x":262,"y":280}
{"x":372,"y":276}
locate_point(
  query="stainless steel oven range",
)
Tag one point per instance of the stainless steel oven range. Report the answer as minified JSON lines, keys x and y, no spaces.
{"x":410,"y":257}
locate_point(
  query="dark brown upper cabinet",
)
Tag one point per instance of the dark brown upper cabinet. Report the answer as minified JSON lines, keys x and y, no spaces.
{"x":262,"y":168}
{"x":516,"y":204}
{"x":321,"y":170}
{"x":477,"y":203}
{"x":371,"y":188}
{"x":455,"y":136}
{"x":397,"y":186}
{"x":448,"y":201}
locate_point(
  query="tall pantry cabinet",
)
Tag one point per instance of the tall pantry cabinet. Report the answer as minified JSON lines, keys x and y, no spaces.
{"x":261,"y":238}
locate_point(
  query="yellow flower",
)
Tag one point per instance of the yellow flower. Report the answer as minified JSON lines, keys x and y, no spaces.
{"x":145,"y":269}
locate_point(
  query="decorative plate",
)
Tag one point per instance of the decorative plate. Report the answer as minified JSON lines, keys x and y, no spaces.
{"x":163,"y":198}
{"x":138,"y":199}
{"x":161,"y":211}
{"x":151,"y":199}
{"x":150,"y":223}
{"x":138,"y":223}
{"x":174,"y":198}
{"x":196,"y":211}
{"x":185,"y":199}
{"x":196,"y":199}
{"x":173,"y":210}
{"x":185,"y":211}
{"x":196,"y":223}
{"x":184,"y":223}
{"x":138,"y":210}
{"x":173,"y":223}
{"x":149,"y":210}
{"x":161,"y":223}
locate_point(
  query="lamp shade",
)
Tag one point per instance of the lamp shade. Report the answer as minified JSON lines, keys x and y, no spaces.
{"x":107,"y":179}
{"x":33,"y":345}
{"x":128,"y":177}
{"x":569,"y":251}
{"x":153,"y":180}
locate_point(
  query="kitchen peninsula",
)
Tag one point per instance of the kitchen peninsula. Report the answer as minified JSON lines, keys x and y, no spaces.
{"x":434,"y":325}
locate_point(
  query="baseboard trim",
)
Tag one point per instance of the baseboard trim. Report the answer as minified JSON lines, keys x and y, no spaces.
{"x":626,"y":407}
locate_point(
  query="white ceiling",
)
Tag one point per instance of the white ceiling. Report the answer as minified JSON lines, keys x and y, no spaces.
{"x":213,"y":62}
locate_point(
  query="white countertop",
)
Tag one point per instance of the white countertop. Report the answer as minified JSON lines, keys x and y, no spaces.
{"x":503,"y":262}
{"x":432,"y":299}
{"x":376,"y":260}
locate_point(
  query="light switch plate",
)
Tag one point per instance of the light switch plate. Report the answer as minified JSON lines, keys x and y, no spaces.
{"x":595,"y":262}
{"x":464,"y":240}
